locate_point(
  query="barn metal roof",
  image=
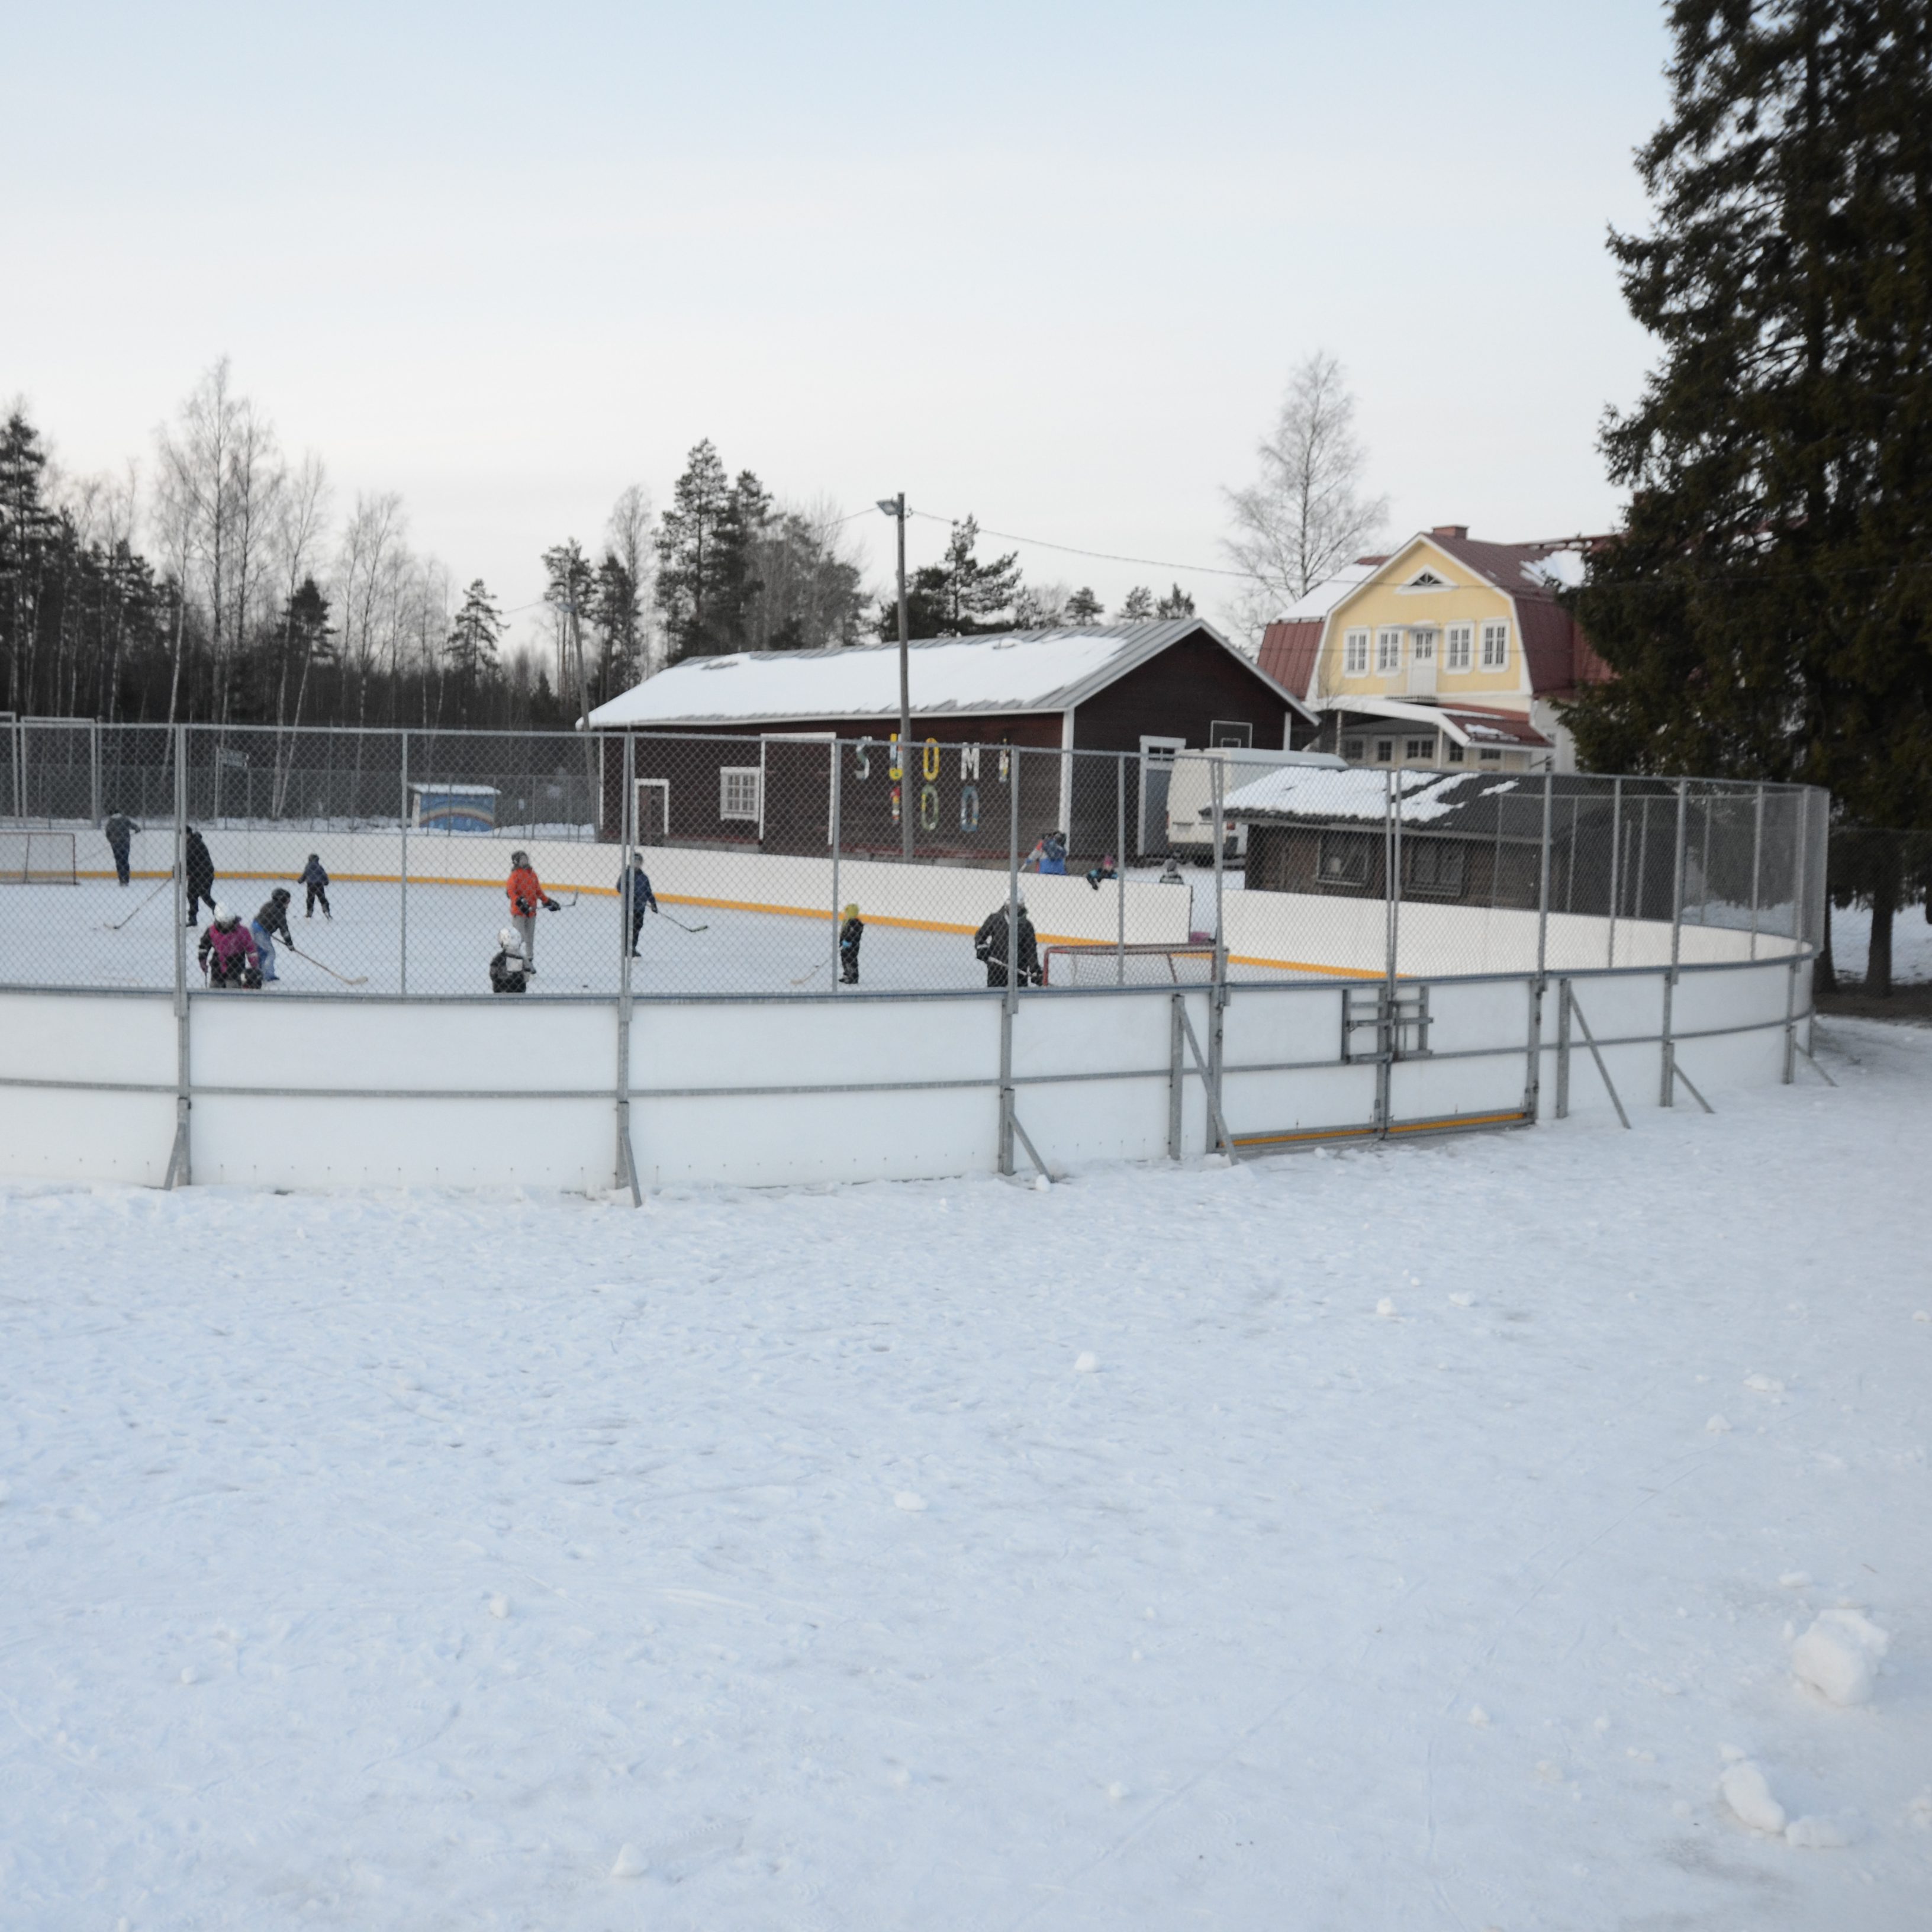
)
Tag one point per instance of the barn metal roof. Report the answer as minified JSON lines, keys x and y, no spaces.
{"x":989,"y":676}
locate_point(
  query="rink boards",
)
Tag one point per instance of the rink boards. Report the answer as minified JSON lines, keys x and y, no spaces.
{"x":303,"y":1092}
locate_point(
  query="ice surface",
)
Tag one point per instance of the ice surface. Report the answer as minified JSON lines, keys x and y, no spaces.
{"x":1259,"y":1573}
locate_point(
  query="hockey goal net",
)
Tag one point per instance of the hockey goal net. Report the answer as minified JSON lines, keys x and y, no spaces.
{"x":37,"y":859}
{"x":1095,"y":963}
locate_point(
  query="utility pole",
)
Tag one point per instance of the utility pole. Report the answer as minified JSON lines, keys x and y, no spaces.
{"x":895,"y":507}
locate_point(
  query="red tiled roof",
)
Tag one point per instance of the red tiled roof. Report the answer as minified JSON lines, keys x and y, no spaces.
{"x":1289,"y":652}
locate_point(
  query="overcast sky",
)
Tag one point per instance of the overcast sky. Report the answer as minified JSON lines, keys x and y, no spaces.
{"x":1050,"y":263}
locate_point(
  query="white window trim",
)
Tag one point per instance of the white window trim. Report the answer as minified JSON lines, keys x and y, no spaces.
{"x":1430,"y":635}
{"x":1389,"y":633}
{"x":1468,"y":627}
{"x":755,"y":773}
{"x":645,"y":785}
{"x":1351,"y":640}
{"x":1489,"y":624}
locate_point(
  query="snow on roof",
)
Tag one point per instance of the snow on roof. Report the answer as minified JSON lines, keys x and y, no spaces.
{"x":1560,"y":569}
{"x":1297,"y":792}
{"x":1322,"y":598}
{"x":1470,"y":724}
{"x":1019,"y":671}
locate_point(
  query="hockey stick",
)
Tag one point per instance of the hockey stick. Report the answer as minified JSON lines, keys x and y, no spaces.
{"x":682,"y":927}
{"x":330,"y":970}
{"x":147,"y":901}
{"x":813,"y":974}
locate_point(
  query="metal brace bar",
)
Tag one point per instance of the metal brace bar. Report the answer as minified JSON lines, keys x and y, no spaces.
{"x":1226,"y":1143}
{"x":1589,"y":1040}
{"x":1685,"y":1078}
{"x":1026,"y":1140}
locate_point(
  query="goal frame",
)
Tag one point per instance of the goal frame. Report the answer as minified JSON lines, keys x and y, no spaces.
{"x":36,"y":858}
{"x":1073,"y":950}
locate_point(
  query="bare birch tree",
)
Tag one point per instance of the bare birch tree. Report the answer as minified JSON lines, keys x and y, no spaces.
{"x":1304,"y":516}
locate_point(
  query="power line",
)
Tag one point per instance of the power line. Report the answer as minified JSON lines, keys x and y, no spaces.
{"x":1103,"y":555}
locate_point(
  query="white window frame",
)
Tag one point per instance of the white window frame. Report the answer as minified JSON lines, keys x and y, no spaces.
{"x":1458,"y":647}
{"x":1489,"y":757}
{"x":1457,"y":755}
{"x":1420,"y":749}
{"x":645,"y":787}
{"x":1351,"y":750}
{"x":736,"y":812}
{"x":1355,"y":654}
{"x":1384,"y":751}
{"x":1495,"y":643}
{"x":1388,"y":650}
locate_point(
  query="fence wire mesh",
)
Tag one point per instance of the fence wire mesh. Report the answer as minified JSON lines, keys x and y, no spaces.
{"x":431,"y":864}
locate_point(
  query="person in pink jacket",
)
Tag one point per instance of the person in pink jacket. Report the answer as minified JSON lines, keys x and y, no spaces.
{"x":227,"y":951}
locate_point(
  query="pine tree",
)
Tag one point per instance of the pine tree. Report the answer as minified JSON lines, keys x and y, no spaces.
{"x":1083,"y":610}
{"x":707,"y":547}
{"x":1767,"y":606}
{"x":1176,"y":604}
{"x":474,"y":635}
{"x":959,"y":597}
{"x":1138,"y":606}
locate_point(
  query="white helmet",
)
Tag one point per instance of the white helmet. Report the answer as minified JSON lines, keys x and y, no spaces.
{"x":223,"y":916}
{"x":508,"y":940}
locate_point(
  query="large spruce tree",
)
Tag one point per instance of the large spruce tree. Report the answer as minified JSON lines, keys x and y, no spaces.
{"x":1767,"y":606}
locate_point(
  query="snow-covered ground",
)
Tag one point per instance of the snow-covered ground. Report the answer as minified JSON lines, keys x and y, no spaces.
{"x":1407,"y":1538}
{"x":1911,"y":942}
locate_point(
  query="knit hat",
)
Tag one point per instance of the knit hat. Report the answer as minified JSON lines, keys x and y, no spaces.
{"x":851,"y":912}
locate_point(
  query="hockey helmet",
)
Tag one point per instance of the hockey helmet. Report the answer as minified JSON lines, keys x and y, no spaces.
{"x":223,"y":916}
{"x":508,"y":940}
{"x":520,"y":857}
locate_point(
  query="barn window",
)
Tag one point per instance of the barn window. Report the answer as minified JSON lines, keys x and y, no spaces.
{"x":1342,"y":859}
{"x":1434,"y":865}
{"x":1224,"y":731}
{"x":738,"y":789}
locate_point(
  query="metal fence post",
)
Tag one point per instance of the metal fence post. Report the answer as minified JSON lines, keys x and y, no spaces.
{"x":1176,"y":1074}
{"x":1563,"y":1048}
{"x":403,"y":937}
{"x":838,"y":774}
{"x":1757,"y":855}
{"x":1543,"y":880}
{"x":1217,"y":997}
{"x":1120,"y":867}
{"x":180,"y":1172}
{"x":627,"y":1158}
{"x":1616,"y":868}
{"x":1385,"y":1032}
{"x":1668,"y":1083}
{"x":1009,"y":999}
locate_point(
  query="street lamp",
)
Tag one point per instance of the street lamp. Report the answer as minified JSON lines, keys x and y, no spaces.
{"x":895,"y":507}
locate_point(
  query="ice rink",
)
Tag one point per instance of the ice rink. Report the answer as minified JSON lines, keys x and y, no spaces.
{"x":62,"y":935}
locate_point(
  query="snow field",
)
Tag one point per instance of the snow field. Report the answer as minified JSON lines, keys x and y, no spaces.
{"x":1332,"y":1541}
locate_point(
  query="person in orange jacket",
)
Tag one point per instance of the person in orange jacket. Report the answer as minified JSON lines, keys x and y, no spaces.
{"x":526,"y":894}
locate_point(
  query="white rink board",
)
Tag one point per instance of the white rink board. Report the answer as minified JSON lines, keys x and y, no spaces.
{"x":308,"y":1092}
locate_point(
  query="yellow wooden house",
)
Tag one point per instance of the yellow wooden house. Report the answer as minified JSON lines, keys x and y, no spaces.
{"x":1448,"y":651}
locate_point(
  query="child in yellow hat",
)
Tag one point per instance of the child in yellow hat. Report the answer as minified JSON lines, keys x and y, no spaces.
{"x":850,"y":935}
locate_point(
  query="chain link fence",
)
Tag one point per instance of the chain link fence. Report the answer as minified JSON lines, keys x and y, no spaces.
{"x":441,"y":865}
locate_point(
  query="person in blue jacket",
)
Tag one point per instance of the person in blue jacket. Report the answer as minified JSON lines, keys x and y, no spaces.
{"x":315,"y":880}
{"x":634,"y":891}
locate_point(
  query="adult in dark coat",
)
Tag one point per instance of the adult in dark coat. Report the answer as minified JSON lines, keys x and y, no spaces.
{"x":200,"y":870}
{"x":633,"y":889}
{"x":990,"y":946}
{"x":120,"y":830}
